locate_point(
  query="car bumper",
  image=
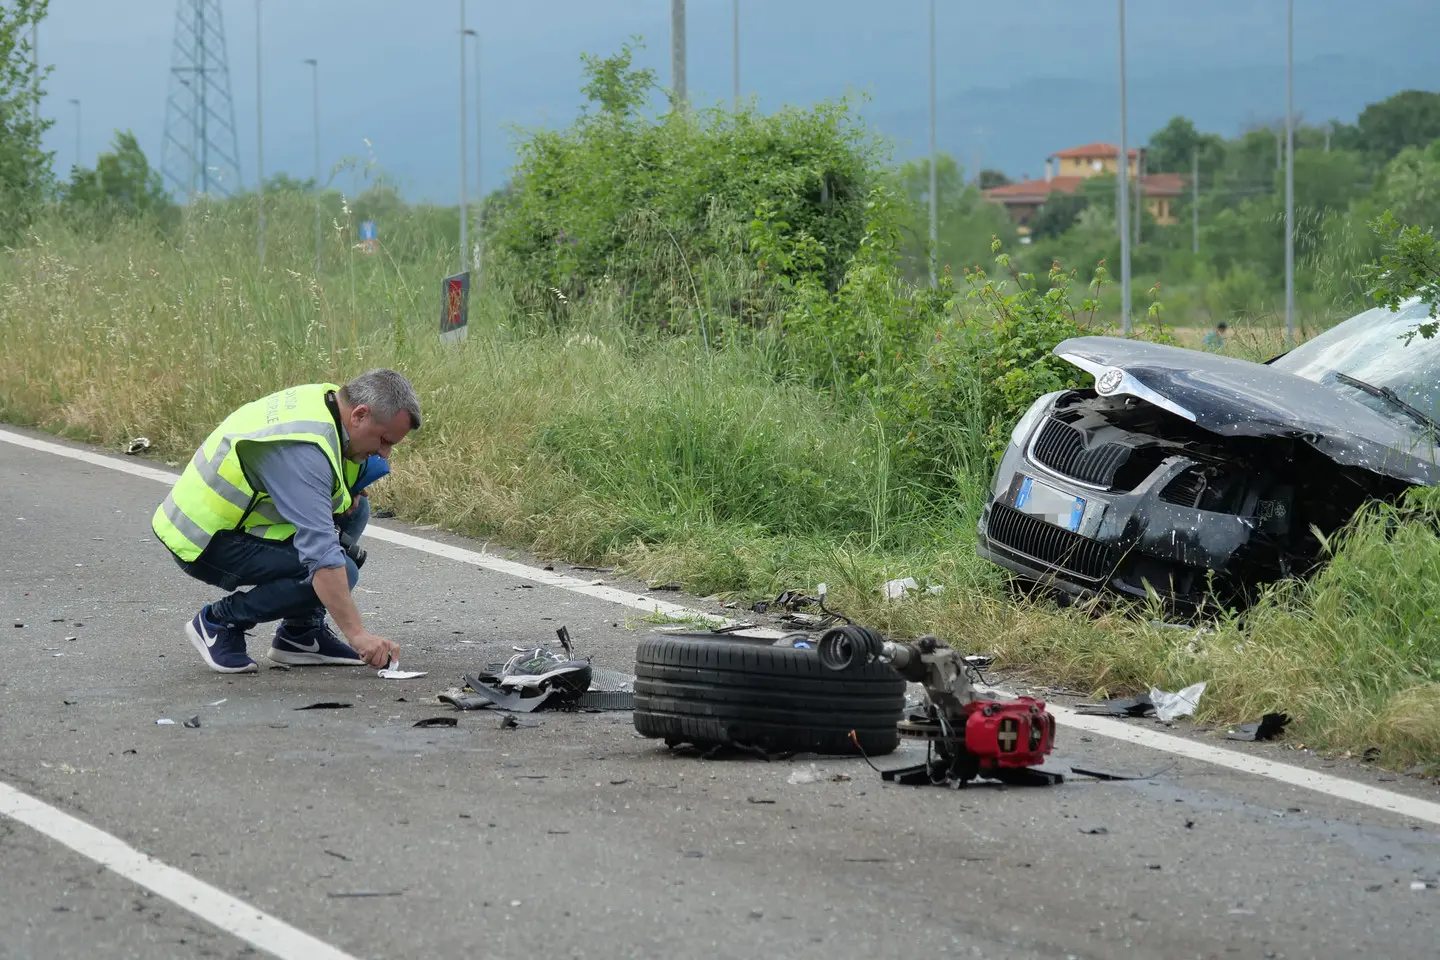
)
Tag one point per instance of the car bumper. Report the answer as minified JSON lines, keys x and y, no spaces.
{"x":1080,"y":539}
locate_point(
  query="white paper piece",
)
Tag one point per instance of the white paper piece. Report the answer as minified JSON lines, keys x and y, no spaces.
{"x":393,"y":672}
{"x":810,"y":774}
{"x":1169,"y":706}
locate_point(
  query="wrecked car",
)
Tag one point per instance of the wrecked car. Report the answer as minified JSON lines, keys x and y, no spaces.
{"x":1207,"y":476}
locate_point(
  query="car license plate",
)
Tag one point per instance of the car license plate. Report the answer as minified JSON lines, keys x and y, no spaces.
{"x":1044,"y":501}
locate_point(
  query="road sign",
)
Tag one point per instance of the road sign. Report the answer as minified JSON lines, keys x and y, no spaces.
{"x":455,"y":311}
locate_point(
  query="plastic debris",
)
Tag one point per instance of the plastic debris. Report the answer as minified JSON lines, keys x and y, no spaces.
{"x":1268,"y":727}
{"x":436,"y":722}
{"x":194,"y":722}
{"x":810,"y":774}
{"x":1132,"y":707}
{"x":393,"y":672}
{"x":164,"y":722}
{"x":1171,"y":706}
{"x":899,"y":589}
{"x":138,"y":445}
{"x":326,"y":705}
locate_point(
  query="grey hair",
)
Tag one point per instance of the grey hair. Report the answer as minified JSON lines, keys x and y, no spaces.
{"x":386,"y":393}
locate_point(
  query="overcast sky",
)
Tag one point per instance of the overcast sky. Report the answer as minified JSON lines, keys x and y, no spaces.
{"x":389,"y":69}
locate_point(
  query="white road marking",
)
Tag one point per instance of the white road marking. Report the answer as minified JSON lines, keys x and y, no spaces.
{"x":1325,"y":783}
{"x":236,"y":917}
{"x":1168,"y":743}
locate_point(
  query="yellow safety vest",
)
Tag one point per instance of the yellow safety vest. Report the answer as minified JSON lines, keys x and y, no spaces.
{"x":213,"y":493}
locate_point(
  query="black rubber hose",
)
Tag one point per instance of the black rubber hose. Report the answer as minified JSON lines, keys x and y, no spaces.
{"x":842,"y":648}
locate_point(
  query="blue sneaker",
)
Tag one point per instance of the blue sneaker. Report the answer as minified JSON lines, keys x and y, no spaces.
{"x":223,"y":648}
{"x":314,"y":646}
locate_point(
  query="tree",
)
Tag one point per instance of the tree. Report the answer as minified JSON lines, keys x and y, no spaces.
{"x":614,"y":85}
{"x":1410,"y":186}
{"x":122,"y":184}
{"x":1325,"y":181}
{"x":992,"y":178}
{"x":26,"y":181}
{"x":1172,"y":147}
{"x":1410,"y":118}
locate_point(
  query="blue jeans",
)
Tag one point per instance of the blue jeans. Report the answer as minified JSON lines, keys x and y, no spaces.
{"x":280,"y":588}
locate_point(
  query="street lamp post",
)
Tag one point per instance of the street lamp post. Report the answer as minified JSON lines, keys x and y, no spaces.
{"x":1290,"y":171}
{"x":464,"y":163}
{"x":735,"y":49}
{"x":259,"y":150}
{"x":315,"y":78}
{"x":1123,"y":216}
{"x":479,"y":185}
{"x":934,"y":190}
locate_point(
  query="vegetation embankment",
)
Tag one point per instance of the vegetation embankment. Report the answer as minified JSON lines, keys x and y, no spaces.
{"x":697,"y":353}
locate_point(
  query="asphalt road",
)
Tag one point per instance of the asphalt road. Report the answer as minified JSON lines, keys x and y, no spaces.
{"x":577,"y":838}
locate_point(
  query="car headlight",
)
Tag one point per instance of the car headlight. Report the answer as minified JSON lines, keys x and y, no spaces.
{"x":1027,"y":423}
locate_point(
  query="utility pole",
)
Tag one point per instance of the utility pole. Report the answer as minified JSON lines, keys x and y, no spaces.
{"x":1290,"y":171}
{"x":315,"y":77}
{"x":1124,"y":211}
{"x":1195,"y":200}
{"x":934,"y":189}
{"x":464,"y":163}
{"x":735,"y":49}
{"x":259,"y":150}
{"x":77,"y":131}
{"x":677,"y":51}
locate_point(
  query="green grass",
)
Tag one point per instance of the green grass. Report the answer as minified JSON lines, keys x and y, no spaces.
{"x":671,"y":460}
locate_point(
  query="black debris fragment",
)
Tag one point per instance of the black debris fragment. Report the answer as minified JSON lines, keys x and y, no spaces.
{"x":1095,"y":831}
{"x":193,"y":722}
{"x":1269,"y":727}
{"x":1132,"y":707}
{"x":326,"y":705}
{"x":670,"y":586}
{"x":338,"y":856}
{"x":511,"y":722}
{"x":437,"y":722}
{"x":757,"y":800}
{"x":1371,"y":754}
{"x":1118,"y":775}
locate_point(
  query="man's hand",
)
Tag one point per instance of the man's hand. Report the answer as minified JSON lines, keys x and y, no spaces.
{"x":333,"y":589}
{"x":377,"y":651}
{"x":354,"y":505}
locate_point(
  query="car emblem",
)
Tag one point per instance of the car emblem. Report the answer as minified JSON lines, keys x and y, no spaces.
{"x":1109,"y":381}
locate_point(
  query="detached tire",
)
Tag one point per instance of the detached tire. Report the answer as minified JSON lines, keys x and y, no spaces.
{"x":705,"y":691}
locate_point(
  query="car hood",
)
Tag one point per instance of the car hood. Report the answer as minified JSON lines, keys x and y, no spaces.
{"x":1234,"y":397}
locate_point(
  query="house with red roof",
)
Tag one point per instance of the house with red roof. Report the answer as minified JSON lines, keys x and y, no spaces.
{"x":1066,"y":170}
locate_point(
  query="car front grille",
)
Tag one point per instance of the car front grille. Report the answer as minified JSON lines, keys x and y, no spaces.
{"x":1186,"y":489}
{"x":1061,"y":447}
{"x":1050,"y":544}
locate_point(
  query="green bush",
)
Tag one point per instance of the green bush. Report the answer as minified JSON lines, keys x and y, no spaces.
{"x":644,"y":202}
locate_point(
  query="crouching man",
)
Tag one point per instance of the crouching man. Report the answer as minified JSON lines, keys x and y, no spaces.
{"x":268,"y":502}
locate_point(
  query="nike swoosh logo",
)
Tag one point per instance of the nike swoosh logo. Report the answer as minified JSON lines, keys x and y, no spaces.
{"x":314,"y":646}
{"x":210,"y":638}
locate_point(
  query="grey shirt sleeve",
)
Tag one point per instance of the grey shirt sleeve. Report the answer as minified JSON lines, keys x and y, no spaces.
{"x":297,"y":476}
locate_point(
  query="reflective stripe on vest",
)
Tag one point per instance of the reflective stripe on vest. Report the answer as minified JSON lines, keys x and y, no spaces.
{"x":214,"y":494}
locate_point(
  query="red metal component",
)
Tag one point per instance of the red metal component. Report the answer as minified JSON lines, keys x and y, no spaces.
{"x":1011,"y":733}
